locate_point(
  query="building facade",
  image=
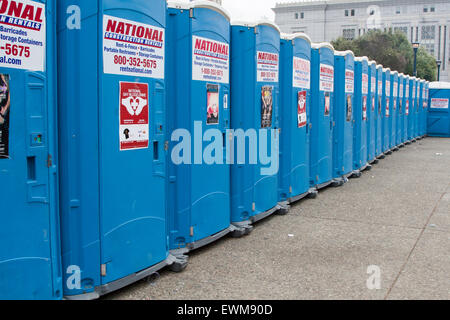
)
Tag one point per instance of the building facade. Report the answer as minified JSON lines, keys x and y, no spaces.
{"x":424,"y":21}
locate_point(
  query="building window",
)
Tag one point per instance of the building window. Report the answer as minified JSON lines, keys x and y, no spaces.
{"x":403,"y":30}
{"x":398,"y":10}
{"x":432,"y":9}
{"x":428,"y":32}
{"x":372,"y":12}
{"x":425,"y":9}
{"x":353,"y":12}
{"x":302,"y":15}
{"x":349,"y":34}
{"x":346,"y":13}
{"x":296,"y":16}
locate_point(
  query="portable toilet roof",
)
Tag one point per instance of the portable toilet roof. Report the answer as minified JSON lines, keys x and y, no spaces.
{"x":297,"y":35}
{"x":344,"y":53}
{"x":200,"y":4}
{"x":361,"y":59}
{"x":440,"y":85}
{"x":322,"y":45}
{"x":263,"y":22}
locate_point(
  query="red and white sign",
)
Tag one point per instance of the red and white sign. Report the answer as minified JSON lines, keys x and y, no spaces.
{"x":380,"y":87}
{"x":268,"y":66}
{"x":387,"y":107}
{"x":133,"y":49}
{"x":326,"y":78}
{"x":134,"y":116}
{"x":407,"y":107}
{"x":373,"y":85}
{"x":22,"y":35}
{"x":395,"y":89}
{"x":365,"y":83}
{"x":373,"y":103}
{"x":401,"y":90}
{"x":301,"y":109}
{"x":349,"y":81}
{"x":301,"y":73}
{"x":395,"y":104}
{"x":388,"y":87}
{"x":210,"y":60}
{"x":437,"y":103}
{"x":407,"y":90}
{"x":364,"y":108}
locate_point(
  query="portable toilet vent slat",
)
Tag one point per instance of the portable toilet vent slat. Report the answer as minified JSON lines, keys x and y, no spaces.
{"x":343,"y":115}
{"x":198,"y":102}
{"x":362,"y":105}
{"x":372,"y":113}
{"x":438,"y":124}
{"x":112,"y":137}
{"x":295,"y":108}
{"x":30,"y":266}
{"x":255,"y":57}
{"x":322,"y":75}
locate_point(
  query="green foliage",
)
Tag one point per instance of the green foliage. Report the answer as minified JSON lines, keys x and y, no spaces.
{"x":392,"y":50}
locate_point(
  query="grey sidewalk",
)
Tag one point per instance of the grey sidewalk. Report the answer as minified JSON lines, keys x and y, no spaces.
{"x":396,"y":216}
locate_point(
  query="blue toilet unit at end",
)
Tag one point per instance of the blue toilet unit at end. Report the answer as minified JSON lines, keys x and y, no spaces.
{"x":380,"y":113}
{"x":255,"y":55}
{"x":372,"y":113}
{"x":361,"y":112}
{"x":30,"y":262}
{"x":322,"y":90}
{"x":198,"y":102}
{"x":394,"y":114}
{"x":112,"y":134}
{"x":387,"y":110}
{"x":295,"y":108}
{"x":343,"y":106}
{"x":438,"y":123}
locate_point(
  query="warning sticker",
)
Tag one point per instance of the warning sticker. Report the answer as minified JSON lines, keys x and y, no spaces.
{"x":266,"y":106}
{"x":349,"y":81}
{"x":373,"y":103}
{"x":268,"y":66}
{"x":212,"y":108}
{"x":380,"y":87}
{"x":407,"y":108}
{"x":5,"y":106}
{"x":301,"y":109}
{"x":365,"y":83}
{"x":395,"y":104}
{"x":134,"y":116}
{"x":22,"y":35}
{"x":327,"y":103}
{"x":210,"y":60}
{"x":133,"y":49}
{"x":301,"y":73}
{"x":388,"y":87}
{"x":395,"y":89}
{"x":364,"y":108}
{"x":401,"y":90}
{"x":387,"y":107}
{"x":373,"y":85}
{"x":437,"y":103}
{"x":326,"y":78}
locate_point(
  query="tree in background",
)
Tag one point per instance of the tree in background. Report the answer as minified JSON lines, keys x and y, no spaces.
{"x":392,"y":50}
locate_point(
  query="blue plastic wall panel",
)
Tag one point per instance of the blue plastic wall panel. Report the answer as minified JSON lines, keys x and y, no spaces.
{"x":380,"y":112}
{"x":372,"y":113}
{"x":386,"y":114}
{"x":30,"y":265}
{"x":344,"y":88}
{"x":198,"y":75}
{"x":112,"y":133}
{"x":254,"y":100}
{"x":322,"y":116}
{"x":295,"y":101}
{"x":438,"y":124}
{"x":361,"y":111}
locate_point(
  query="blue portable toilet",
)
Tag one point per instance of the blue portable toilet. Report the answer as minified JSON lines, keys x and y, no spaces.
{"x":425,"y":108}
{"x":401,"y":111}
{"x":372,"y":114}
{"x":198,"y":82}
{"x":322,"y":75}
{"x":407,"y":110}
{"x":361,"y":111}
{"x":295,"y":102}
{"x":30,"y":267}
{"x":415,"y":108}
{"x":254,"y":100}
{"x":380,"y":113}
{"x":411,"y":110}
{"x":394,"y":113}
{"x":386,"y":104}
{"x":438,"y":123}
{"x":344,"y":91}
{"x":420,"y":108}
{"x":112,"y":137}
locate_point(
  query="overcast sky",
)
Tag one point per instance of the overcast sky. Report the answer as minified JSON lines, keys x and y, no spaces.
{"x":250,"y":10}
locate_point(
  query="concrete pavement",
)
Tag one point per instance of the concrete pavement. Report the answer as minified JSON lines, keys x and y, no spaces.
{"x":395,"y":217}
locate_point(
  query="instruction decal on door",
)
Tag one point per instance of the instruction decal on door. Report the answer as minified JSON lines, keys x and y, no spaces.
{"x":268,"y":66}
{"x":365,"y":83}
{"x":364,"y":108}
{"x":212,"y":104}
{"x":349,"y":81}
{"x":133,"y":49}
{"x":301,"y":109}
{"x":302,"y":73}
{"x":22,"y":34}
{"x":134,"y":116}
{"x":437,"y":103}
{"x":210,"y":60}
{"x":326,"y":78}
{"x":5,"y":107}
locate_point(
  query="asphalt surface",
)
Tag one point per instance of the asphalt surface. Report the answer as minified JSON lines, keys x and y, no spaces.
{"x":396,"y":217}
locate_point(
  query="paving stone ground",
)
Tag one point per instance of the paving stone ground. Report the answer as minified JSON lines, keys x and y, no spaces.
{"x":395,"y":217}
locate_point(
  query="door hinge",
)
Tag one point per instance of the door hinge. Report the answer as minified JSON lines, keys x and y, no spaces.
{"x":103,"y":270}
{"x":49,"y":161}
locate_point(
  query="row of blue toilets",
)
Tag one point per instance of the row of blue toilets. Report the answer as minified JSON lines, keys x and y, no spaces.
{"x":86,"y":210}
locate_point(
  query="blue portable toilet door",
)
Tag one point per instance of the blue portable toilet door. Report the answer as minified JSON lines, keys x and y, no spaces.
{"x":380,"y":111}
{"x":400,"y":109}
{"x":133,"y":230}
{"x":210,"y":212}
{"x":439,"y":113}
{"x":29,"y":231}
